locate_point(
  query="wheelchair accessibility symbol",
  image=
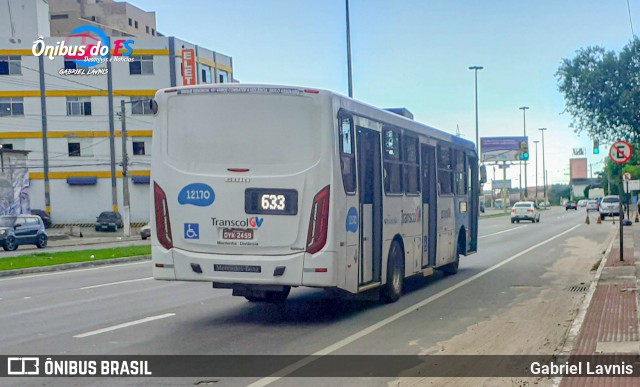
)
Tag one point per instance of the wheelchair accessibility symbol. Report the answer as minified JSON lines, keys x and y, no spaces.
{"x":191,"y":231}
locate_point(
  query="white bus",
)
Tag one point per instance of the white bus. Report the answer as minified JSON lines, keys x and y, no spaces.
{"x":259,"y":188}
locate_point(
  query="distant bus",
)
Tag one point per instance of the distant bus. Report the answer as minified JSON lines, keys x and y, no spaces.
{"x":262,"y":188}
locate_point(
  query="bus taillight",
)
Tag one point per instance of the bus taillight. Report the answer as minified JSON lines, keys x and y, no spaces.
{"x":163,"y":224}
{"x":318,"y":222}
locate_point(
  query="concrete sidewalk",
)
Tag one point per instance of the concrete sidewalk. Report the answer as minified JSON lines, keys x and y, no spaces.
{"x":609,"y":323}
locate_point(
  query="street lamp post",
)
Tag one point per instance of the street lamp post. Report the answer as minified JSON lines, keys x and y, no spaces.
{"x":475,"y":70}
{"x":350,"y":79}
{"x":536,"y":142}
{"x":544,"y":169}
{"x":524,"y":125}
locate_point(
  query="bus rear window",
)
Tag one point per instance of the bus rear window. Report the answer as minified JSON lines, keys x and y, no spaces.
{"x":242,"y":130}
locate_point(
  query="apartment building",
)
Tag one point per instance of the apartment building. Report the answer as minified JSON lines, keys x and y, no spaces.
{"x":70,"y":124}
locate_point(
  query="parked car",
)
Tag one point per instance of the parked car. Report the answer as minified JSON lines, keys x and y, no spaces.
{"x":145,"y":231}
{"x":109,"y":220}
{"x":592,"y":205}
{"x":46,"y":219}
{"x":16,"y":230}
{"x":609,"y":206}
{"x":582,"y":203}
{"x":570,"y":205}
{"x":525,"y":211}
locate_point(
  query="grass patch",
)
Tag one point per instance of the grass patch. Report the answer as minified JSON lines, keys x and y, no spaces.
{"x":58,"y":258}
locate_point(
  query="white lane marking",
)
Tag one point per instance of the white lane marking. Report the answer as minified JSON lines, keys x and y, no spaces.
{"x":119,"y":326}
{"x":115,"y":283}
{"x":348,"y":340}
{"x":73,"y":271}
{"x":500,"y":232}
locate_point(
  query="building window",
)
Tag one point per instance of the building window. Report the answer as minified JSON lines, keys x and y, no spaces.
{"x":136,"y":23}
{"x":206,"y":74}
{"x":6,"y":146}
{"x":10,"y":65}
{"x":78,"y":106}
{"x":74,"y":149}
{"x":223,"y":76}
{"x":60,"y":16}
{"x":130,"y":22}
{"x":147,"y":29}
{"x":138,"y":148}
{"x":140,"y":105}
{"x":11,"y":107}
{"x":142,"y":64}
{"x":80,"y":147}
{"x":392,"y":163}
{"x":153,"y":32}
{"x":70,"y":65}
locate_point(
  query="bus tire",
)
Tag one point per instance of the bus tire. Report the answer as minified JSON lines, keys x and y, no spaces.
{"x":278,"y":296}
{"x":273,"y":296}
{"x":452,"y":268}
{"x":392,"y":290}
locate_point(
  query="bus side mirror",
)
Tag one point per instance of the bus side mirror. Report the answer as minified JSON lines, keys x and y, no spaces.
{"x":153,"y":105}
{"x":483,"y":174}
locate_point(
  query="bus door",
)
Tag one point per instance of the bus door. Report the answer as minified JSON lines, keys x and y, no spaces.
{"x":370,"y":183}
{"x":429,"y":205}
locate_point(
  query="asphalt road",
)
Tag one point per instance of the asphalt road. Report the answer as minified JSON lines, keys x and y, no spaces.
{"x":120,"y":309}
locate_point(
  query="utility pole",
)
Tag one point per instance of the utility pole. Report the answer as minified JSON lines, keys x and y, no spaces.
{"x":125,"y":177}
{"x":524,"y":125}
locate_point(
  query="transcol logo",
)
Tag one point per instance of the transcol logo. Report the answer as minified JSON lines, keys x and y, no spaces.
{"x":253,"y":222}
{"x":86,"y":45}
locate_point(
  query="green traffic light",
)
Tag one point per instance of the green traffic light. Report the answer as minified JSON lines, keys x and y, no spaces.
{"x":596,"y":151}
{"x":525,"y":156}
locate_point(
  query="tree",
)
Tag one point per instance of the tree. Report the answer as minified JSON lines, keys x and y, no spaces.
{"x":602,"y":92}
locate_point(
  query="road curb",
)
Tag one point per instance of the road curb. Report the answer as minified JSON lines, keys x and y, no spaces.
{"x":69,"y":266}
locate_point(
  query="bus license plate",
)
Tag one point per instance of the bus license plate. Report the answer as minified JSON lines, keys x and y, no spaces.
{"x":237,"y":234}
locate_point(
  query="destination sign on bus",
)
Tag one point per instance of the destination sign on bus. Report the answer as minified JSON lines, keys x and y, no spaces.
{"x":271,"y":201}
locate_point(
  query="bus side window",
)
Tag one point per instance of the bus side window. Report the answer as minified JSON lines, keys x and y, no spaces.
{"x":411,"y":165}
{"x":347,"y":155}
{"x":392,"y":162}
{"x":460,"y":169}
{"x":445,"y":173}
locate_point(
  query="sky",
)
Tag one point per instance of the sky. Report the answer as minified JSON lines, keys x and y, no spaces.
{"x":416,"y":53}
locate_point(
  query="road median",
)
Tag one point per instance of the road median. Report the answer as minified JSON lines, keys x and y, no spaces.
{"x":42,"y":262}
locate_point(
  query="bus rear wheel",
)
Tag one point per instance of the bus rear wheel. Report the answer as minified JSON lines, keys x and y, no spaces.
{"x":273,"y":296}
{"x":392,"y":290}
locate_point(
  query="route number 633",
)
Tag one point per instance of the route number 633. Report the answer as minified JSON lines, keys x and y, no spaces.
{"x":272,"y":202}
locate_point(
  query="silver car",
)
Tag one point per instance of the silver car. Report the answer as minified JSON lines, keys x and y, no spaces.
{"x":592,"y":205}
{"x":609,"y":206}
{"x":525,"y":211}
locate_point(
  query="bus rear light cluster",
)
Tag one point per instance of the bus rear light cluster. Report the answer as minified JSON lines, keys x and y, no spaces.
{"x":163,"y":224}
{"x":318,"y":222}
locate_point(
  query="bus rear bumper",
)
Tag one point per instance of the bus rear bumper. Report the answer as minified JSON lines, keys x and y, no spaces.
{"x":230,"y":269}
